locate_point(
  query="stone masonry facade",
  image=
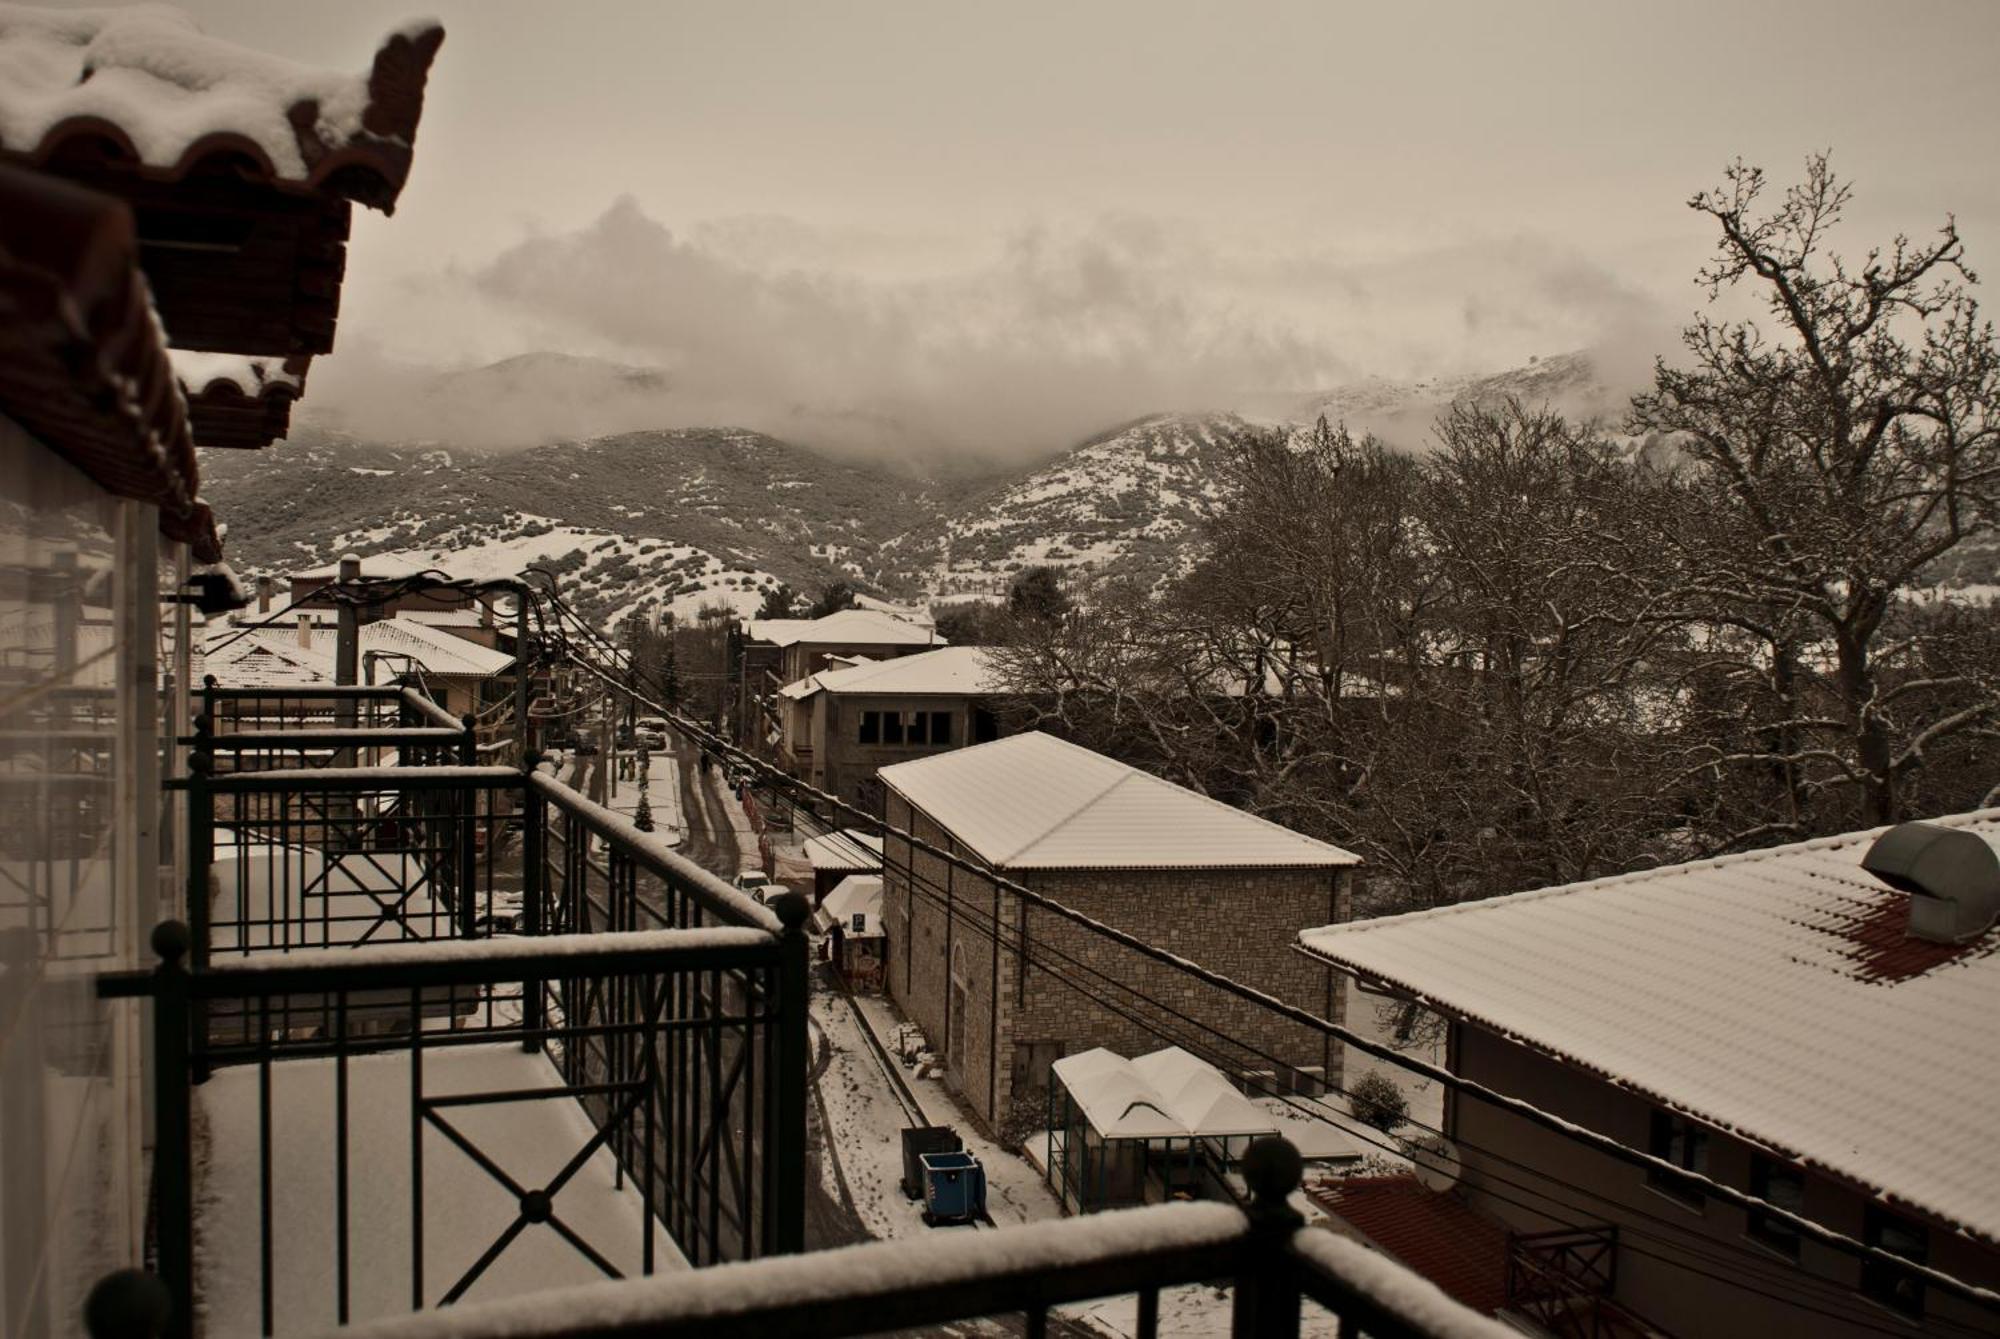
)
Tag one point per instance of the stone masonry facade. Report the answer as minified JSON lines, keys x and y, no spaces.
{"x":1000,"y":1019}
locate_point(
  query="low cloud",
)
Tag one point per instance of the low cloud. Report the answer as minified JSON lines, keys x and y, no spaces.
{"x":823,"y":337}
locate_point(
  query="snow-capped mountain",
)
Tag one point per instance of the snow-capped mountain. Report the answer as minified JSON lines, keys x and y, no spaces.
{"x":683,"y":517}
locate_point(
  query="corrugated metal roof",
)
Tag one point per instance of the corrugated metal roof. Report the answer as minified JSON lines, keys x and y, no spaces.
{"x":846,"y":849}
{"x":1772,"y":994}
{"x":1033,"y":801}
{"x":272,"y":657}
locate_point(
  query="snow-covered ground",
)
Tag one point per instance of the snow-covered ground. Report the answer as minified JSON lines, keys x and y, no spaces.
{"x":865,"y":1124}
{"x":465,"y":1208}
{"x":663,"y":793}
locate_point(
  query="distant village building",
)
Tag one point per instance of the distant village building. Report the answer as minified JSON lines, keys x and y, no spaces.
{"x":773,"y":652}
{"x":1183,"y":872}
{"x":843,"y":725}
{"x":1779,"y":1021}
{"x":459,"y":674}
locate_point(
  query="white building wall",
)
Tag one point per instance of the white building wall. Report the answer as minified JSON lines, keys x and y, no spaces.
{"x":79,"y":817}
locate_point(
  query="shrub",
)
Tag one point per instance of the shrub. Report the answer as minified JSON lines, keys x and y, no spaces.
{"x":1376,"y":1100}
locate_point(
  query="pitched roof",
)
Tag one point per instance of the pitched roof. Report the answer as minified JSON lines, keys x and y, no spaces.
{"x":846,"y":849}
{"x":856,"y":895}
{"x":1772,"y":994}
{"x":1033,"y":801}
{"x":239,"y":402}
{"x":272,"y":657}
{"x":149,"y":86}
{"x":947,"y":671}
{"x":848,"y":627}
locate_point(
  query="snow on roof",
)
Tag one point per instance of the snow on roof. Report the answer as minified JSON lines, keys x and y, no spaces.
{"x":272,"y":657}
{"x":856,"y":895}
{"x":1198,"y":1093}
{"x":1033,"y":801}
{"x":168,"y":96}
{"x":846,"y":849}
{"x":848,"y":627}
{"x":949,"y":670}
{"x":1772,"y":994}
{"x":1168,"y":1094}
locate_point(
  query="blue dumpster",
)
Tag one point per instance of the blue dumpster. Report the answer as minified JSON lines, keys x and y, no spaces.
{"x":954,"y":1188}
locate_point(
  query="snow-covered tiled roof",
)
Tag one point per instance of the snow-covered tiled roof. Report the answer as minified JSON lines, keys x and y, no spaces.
{"x":168,"y":97}
{"x":1772,"y":994}
{"x":848,"y":627}
{"x":1033,"y":801}
{"x":846,"y":849}
{"x":947,"y":671}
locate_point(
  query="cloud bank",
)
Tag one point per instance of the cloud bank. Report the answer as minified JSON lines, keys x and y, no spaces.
{"x":838,"y":339}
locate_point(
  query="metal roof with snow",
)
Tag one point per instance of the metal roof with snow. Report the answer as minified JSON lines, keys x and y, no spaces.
{"x":274,"y":657}
{"x":856,"y":895}
{"x":848,"y":849}
{"x":1167,"y":1094}
{"x":1773,"y":994}
{"x":1033,"y":801}
{"x":847,"y":627}
{"x":954,"y":671}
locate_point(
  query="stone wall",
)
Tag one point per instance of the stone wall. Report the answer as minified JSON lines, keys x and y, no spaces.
{"x":1000,"y":1019}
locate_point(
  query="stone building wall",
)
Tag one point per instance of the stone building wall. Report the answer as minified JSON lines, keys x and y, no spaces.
{"x":1000,"y":1020}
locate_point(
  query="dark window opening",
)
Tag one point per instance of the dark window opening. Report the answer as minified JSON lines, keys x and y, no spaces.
{"x":1897,"y":1289}
{"x":1677,"y":1140}
{"x":985,"y":726}
{"x":940,"y":727}
{"x":871,"y":726}
{"x":892,"y":727}
{"x":916,"y":728}
{"x":1784,"y":1186}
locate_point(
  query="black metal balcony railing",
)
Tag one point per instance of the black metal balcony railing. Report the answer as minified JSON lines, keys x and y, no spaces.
{"x":354,"y":917}
{"x":254,"y":729}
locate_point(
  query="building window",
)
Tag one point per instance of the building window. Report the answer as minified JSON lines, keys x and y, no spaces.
{"x":871,"y":726}
{"x":940,"y":728}
{"x":1677,"y":1140}
{"x":915,"y":728}
{"x":1894,"y":1288}
{"x":1783,"y":1185}
{"x":892,"y":727}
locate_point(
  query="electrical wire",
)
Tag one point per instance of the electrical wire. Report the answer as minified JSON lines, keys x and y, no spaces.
{"x":710,"y":739}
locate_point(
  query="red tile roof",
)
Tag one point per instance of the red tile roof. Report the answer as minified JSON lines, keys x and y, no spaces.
{"x":1435,"y":1235}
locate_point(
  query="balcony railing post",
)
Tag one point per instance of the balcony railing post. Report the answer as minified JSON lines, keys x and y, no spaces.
{"x":468,"y":745}
{"x":787,"y":1161}
{"x":534,"y":814}
{"x":173,"y":1149}
{"x":1267,"y":1291}
{"x":128,"y":1304}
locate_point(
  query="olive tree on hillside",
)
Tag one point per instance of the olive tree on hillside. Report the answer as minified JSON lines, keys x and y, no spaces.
{"x":1836,"y":456}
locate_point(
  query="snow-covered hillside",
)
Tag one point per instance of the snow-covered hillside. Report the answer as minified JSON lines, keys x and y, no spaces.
{"x":1125,"y":501}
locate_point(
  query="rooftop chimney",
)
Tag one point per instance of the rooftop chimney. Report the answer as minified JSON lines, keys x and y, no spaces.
{"x":1951,"y":875}
{"x":263,"y":595}
{"x":306,"y":631}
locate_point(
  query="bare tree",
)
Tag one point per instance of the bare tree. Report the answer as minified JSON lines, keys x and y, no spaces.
{"x":1840,"y":456}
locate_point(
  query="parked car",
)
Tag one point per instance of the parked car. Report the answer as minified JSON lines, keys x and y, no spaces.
{"x":651,"y":738}
{"x":758,"y":885}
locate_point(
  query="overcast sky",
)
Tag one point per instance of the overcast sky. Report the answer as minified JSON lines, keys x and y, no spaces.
{"x":982,"y":224}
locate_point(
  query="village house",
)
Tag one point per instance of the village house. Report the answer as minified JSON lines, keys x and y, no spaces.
{"x":459,"y":674}
{"x":843,"y":725}
{"x":772,"y":652}
{"x":1188,"y":874}
{"x":1785,"y":1022}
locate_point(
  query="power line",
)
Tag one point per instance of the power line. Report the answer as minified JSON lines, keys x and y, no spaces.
{"x":1471,"y":1088}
